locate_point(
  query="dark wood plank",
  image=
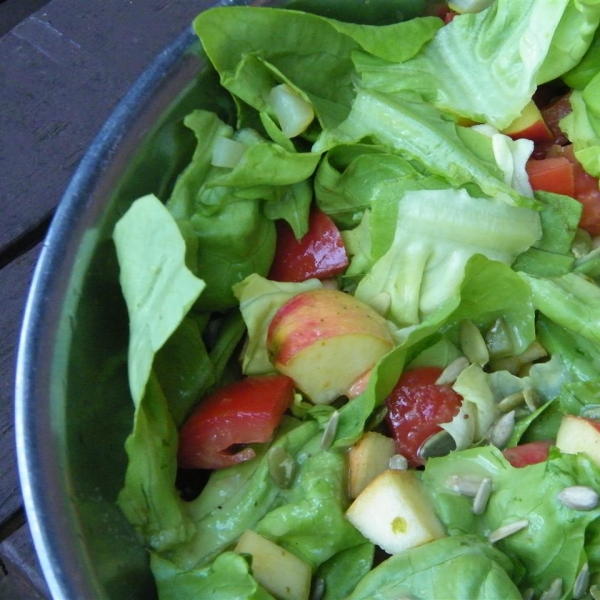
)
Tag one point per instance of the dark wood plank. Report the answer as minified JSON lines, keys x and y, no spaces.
{"x":24,"y":577}
{"x":14,"y":283}
{"x":13,"y":12}
{"x":63,"y":71}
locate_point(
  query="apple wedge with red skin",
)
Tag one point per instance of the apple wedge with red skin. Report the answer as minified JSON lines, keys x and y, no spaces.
{"x":325,"y":340}
{"x":578,"y":434}
{"x":529,"y":125}
{"x":320,"y":253}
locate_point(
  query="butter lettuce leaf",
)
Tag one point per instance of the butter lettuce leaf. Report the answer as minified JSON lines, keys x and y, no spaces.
{"x":553,"y":544}
{"x":229,"y":576}
{"x":462,"y":566}
{"x":486,"y":66}
{"x":158,"y":287}
{"x":436,"y":232}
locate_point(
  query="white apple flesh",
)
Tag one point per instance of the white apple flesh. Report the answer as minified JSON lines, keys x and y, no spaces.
{"x":325,"y":340}
{"x":577,"y":434}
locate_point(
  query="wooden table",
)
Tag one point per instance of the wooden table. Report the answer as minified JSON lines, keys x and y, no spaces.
{"x":64,"y":64}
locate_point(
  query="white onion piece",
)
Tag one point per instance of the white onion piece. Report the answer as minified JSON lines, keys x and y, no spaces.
{"x":294,"y":113}
{"x":227,"y":153}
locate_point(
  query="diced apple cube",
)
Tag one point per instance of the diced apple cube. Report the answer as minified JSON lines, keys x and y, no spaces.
{"x":367,"y":459}
{"x":280,"y":572}
{"x":577,"y":434}
{"x":395,"y":513}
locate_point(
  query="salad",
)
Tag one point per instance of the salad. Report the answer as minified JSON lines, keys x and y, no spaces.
{"x":365,"y":321}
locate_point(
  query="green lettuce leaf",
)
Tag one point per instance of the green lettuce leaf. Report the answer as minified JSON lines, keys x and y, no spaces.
{"x":344,"y":570}
{"x":485,"y":66}
{"x":311,"y":53}
{"x":229,"y":576}
{"x":158,"y":287}
{"x":316,"y":503}
{"x":420,"y":132}
{"x":463,"y":566}
{"x":241,"y":507}
{"x":553,"y":544}
{"x":436,"y":233}
{"x":149,"y":498}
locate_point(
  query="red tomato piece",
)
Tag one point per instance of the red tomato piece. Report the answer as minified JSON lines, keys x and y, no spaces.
{"x":417,"y":407}
{"x":527,"y":454}
{"x":586,"y":190}
{"x":551,"y":175}
{"x":320,"y":253}
{"x":243,"y":412}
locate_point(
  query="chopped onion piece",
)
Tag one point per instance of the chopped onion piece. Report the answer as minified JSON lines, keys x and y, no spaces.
{"x":227,"y":153}
{"x":293,"y":112}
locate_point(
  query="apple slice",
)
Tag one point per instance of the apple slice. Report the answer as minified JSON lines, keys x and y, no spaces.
{"x":395,"y":512}
{"x":280,"y":572}
{"x":577,"y":434}
{"x":367,"y":459}
{"x":325,"y":340}
{"x":530,"y":125}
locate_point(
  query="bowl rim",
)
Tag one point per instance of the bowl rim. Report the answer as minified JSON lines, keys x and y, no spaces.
{"x":33,"y":432}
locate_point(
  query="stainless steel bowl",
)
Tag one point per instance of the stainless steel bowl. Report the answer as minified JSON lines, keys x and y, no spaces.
{"x":73,"y":409}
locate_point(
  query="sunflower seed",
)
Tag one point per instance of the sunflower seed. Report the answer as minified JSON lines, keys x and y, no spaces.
{"x":502,"y":429}
{"x":554,"y":592}
{"x":482,"y":496}
{"x":438,"y":444}
{"x":330,"y":431}
{"x":534,"y":351}
{"x":582,"y":583}
{"x":398,"y":463}
{"x":532,"y":399}
{"x":511,"y":402}
{"x":473,"y":344}
{"x":282,"y":467}
{"x":579,"y":497}
{"x":465,"y":485}
{"x":506,"y":530}
{"x":453,"y":370}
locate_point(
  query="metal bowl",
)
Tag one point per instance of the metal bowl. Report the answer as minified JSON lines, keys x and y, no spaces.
{"x":73,"y":410}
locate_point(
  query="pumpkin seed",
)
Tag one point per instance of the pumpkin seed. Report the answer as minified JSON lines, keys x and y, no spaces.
{"x":473,"y":344}
{"x":330,"y":431}
{"x":453,"y":370}
{"x":318,"y":589}
{"x":582,"y":582}
{"x":502,"y":430}
{"x":554,"y":592}
{"x":398,"y":463}
{"x":465,"y":485}
{"x":482,"y":496}
{"x":511,"y":402}
{"x":438,"y":444}
{"x":506,"y":530}
{"x":282,"y":467}
{"x":579,"y":497}
{"x":499,"y":340}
